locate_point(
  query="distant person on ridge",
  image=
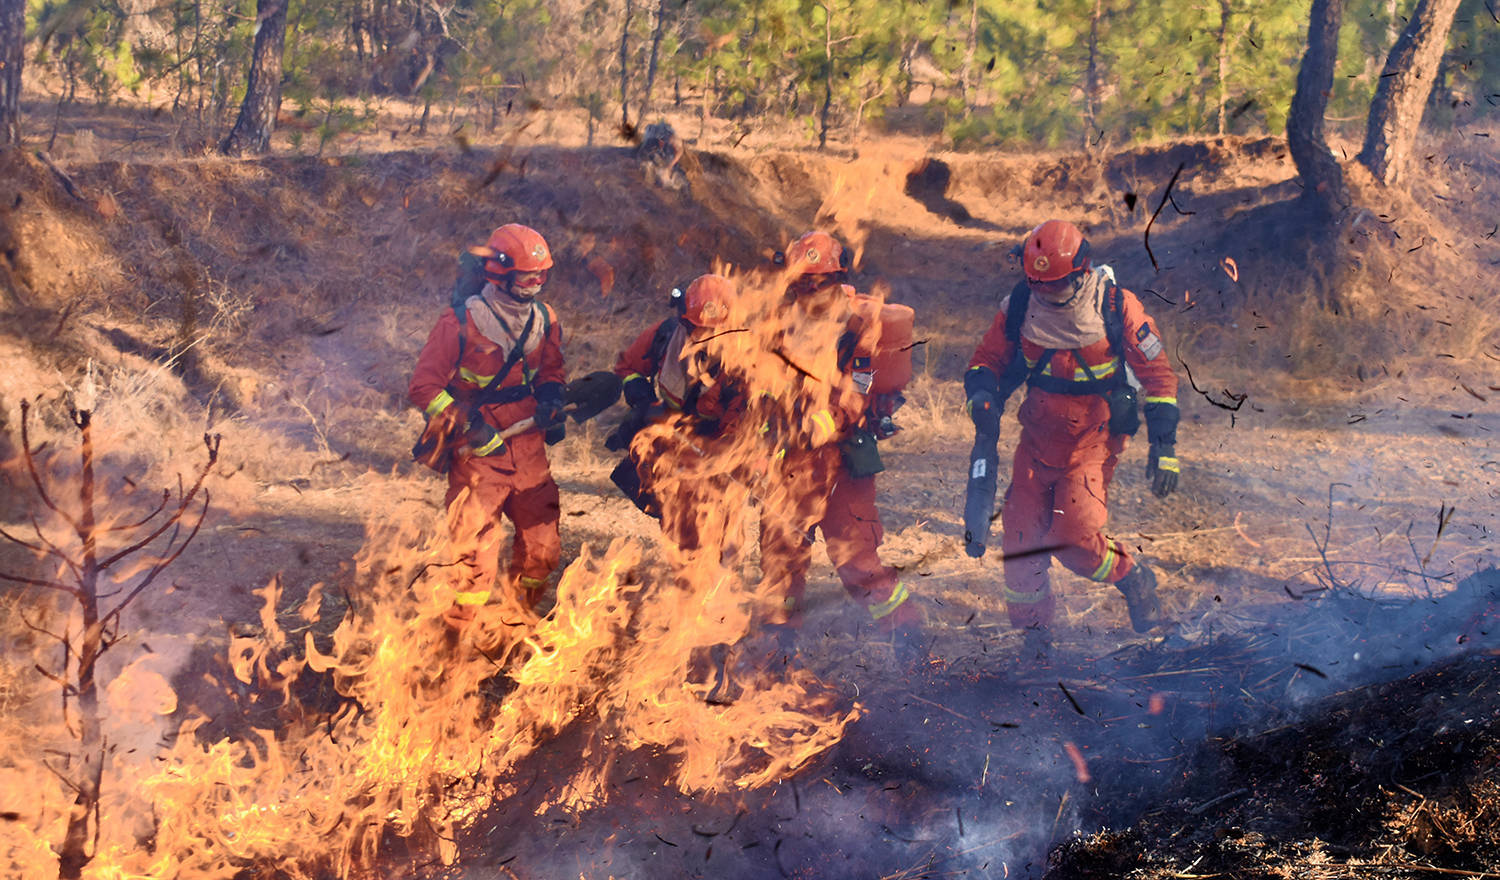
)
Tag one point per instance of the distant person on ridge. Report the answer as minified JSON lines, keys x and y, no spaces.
{"x":1067,"y":332}
{"x":494,"y":360}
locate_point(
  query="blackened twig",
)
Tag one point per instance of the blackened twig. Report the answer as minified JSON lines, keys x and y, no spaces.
{"x":1159,"y":205}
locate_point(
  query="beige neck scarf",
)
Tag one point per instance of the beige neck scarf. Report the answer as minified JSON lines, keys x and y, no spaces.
{"x":512,"y":313}
{"x":1071,"y":325}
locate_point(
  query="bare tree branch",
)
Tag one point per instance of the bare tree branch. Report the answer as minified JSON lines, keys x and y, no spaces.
{"x":30,"y":457}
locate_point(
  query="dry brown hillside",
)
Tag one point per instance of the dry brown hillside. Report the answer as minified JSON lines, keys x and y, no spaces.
{"x":280,"y":302}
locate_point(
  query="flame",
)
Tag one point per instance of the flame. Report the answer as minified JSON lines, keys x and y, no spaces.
{"x":420,"y":729}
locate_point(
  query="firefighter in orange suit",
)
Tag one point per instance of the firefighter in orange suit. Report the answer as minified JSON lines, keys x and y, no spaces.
{"x":1070,"y":340}
{"x":491,"y":362}
{"x":825,"y":459}
{"x":669,"y":372}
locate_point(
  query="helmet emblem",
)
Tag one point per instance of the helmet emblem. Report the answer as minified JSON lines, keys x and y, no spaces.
{"x":1041,"y":263}
{"x":813,"y":256}
{"x":539,"y":251}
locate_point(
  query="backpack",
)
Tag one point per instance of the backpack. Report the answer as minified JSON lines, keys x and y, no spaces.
{"x":1117,"y":390}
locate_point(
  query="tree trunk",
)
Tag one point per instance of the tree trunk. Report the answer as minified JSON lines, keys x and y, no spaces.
{"x":966,"y":72}
{"x":1405,"y":85}
{"x":257,"y":119}
{"x":75,"y":852}
{"x":625,"y":65}
{"x":1091,"y":80}
{"x":656,"y":35}
{"x":1225,"y":14}
{"x":1323,"y":186}
{"x":12,"y":58}
{"x":827,"y":74}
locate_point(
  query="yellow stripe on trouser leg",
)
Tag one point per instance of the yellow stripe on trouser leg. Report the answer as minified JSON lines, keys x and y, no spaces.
{"x":1102,"y":572}
{"x":471,"y":597}
{"x":898,"y":595}
{"x":1025,"y":598}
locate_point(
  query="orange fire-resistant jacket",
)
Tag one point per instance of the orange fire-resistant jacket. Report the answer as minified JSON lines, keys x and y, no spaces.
{"x":1067,"y":420}
{"x":708,"y":402}
{"x":440,"y":380}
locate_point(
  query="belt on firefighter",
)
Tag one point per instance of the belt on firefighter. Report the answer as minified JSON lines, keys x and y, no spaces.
{"x":1069,"y":386}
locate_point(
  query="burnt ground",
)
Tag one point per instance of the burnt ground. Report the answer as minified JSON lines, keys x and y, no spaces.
{"x":1326,"y":708}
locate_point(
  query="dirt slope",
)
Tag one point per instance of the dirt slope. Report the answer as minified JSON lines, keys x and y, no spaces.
{"x":288,"y":297}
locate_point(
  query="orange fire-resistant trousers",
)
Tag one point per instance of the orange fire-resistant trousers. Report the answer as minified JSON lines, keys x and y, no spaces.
{"x":530,"y":501}
{"x":843,"y":507}
{"x":1058,"y":510}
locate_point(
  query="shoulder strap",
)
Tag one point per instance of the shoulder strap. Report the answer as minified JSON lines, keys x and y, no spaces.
{"x":517,"y":352}
{"x":1114,"y":321}
{"x":661,"y":340}
{"x":1015,"y":313}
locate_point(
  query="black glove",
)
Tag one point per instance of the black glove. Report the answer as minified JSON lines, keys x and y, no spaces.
{"x":984,"y":409}
{"x":483,"y":439}
{"x":549,"y":405}
{"x":1161,"y":424}
{"x":1162,"y":468}
{"x":631,"y":425}
{"x":638,"y":392}
{"x":984,"y":404}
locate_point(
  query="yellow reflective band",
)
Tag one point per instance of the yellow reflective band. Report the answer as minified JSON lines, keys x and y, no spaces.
{"x":1102,"y":572}
{"x":1015,"y":598}
{"x":492,"y":446}
{"x":898,"y":595}
{"x":1167,"y":463}
{"x":780,"y":454}
{"x":1102,"y":371}
{"x":439,"y":403}
{"x":471,"y":597}
{"x":1171,"y":400}
{"x":531,"y":581}
{"x":824,"y":423}
{"x":469,"y":375}
{"x":631,"y":378}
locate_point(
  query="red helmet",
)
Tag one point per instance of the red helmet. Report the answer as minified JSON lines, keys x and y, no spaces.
{"x":816,"y":253}
{"x":1053,"y":251}
{"x":706,"y":302}
{"x":516,"y":248}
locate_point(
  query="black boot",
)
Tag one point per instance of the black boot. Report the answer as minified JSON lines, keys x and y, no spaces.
{"x":1036,"y":645}
{"x":1139,"y":587}
{"x":722,"y":690}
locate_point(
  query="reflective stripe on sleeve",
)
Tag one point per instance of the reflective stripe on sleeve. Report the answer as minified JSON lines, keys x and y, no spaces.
{"x":1171,"y":400}
{"x":823,"y":425}
{"x":471,"y":597}
{"x":492,"y":446}
{"x":439,"y":403}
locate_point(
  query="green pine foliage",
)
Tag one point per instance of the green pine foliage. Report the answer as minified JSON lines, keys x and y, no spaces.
{"x":982,"y":72}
